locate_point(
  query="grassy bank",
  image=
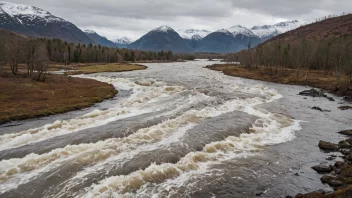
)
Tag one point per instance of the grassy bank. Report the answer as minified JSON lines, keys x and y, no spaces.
{"x":22,"y":98}
{"x":113,"y":67}
{"x":316,"y":79}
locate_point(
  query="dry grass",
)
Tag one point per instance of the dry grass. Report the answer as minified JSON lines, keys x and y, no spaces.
{"x":113,"y":67}
{"x":22,"y":98}
{"x":314,"y":78}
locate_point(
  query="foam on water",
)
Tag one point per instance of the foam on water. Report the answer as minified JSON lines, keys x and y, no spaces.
{"x":14,"y":172}
{"x":149,"y":95}
{"x":268,"y":130}
{"x":136,"y":104}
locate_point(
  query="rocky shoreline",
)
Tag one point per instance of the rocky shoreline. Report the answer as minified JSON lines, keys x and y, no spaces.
{"x":338,"y":175}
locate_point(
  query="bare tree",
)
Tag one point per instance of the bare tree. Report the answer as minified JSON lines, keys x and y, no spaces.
{"x":41,"y":61}
{"x":13,"y":48}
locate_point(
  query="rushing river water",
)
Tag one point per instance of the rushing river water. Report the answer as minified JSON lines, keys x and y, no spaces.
{"x":174,"y":130}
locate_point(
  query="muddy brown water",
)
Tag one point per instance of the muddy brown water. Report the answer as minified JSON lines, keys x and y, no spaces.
{"x":174,"y":130}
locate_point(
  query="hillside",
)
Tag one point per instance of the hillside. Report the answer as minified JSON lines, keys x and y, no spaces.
{"x":335,"y":27}
{"x":35,"y":22}
{"x":99,"y":40}
{"x":162,"y":38}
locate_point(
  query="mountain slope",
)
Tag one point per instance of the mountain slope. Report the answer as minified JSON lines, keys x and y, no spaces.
{"x":162,"y":38}
{"x":33,"y":21}
{"x":336,"y":27}
{"x":193,"y":36}
{"x":244,"y":36}
{"x":221,"y":41}
{"x":100,"y":40}
{"x":266,"y":32}
{"x":193,"y":33}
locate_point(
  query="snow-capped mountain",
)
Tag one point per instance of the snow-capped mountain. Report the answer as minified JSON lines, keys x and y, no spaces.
{"x":36,"y":22}
{"x":193,"y":36}
{"x":162,"y":38}
{"x":288,"y":26}
{"x":241,"y":32}
{"x":220,"y":41}
{"x":89,"y":32}
{"x":266,"y":32}
{"x":193,"y":33}
{"x":123,"y":41}
{"x":163,"y":29}
{"x":100,"y":40}
{"x":244,"y":36}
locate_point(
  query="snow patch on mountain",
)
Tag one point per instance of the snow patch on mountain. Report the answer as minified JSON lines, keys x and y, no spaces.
{"x":31,"y":12}
{"x":163,"y":28}
{"x":240,"y":30}
{"x":195,"y":34}
{"x":288,"y":25}
{"x":225,"y":31}
{"x":266,"y":31}
{"x":123,"y":41}
{"x":89,"y":32}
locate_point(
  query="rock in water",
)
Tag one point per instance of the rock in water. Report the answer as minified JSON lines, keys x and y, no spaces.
{"x":326,"y":179}
{"x":313,"y":93}
{"x":339,"y":164}
{"x":322,"y":169}
{"x":345,"y":144}
{"x":346,"y":132}
{"x":343,"y":108}
{"x":320,"y":109}
{"x":328,"y":146}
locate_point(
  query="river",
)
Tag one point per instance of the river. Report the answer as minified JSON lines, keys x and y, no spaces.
{"x":174,"y":130}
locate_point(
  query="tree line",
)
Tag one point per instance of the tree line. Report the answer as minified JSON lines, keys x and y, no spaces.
{"x":37,"y":53}
{"x":333,"y":55}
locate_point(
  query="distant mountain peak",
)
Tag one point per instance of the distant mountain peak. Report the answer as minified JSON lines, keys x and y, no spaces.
{"x":224,"y":31}
{"x":89,"y":32}
{"x":36,"y":22}
{"x":32,"y":12}
{"x":240,"y":30}
{"x":195,"y":34}
{"x":163,"y":28}
{"x":268,"y":31}
{"x":123,"y":41}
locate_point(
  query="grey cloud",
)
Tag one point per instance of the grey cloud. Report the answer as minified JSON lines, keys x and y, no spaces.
{"x":136,"y":17}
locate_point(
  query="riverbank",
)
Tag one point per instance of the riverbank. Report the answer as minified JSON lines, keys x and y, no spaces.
{"x":23,"y":98}
{"x":338,"y":175}
{"x":112,"y":67}
{"x":313,"y":79}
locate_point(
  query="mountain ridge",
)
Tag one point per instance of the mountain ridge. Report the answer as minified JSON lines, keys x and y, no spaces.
{"x":36,"y":22}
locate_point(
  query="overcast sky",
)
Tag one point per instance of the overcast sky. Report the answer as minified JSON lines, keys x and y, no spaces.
{"x":134,"y":18}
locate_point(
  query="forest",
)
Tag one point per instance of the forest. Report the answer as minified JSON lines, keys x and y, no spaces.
{"x":38,"y":53}
{"x":325,"y":46}
{"x":332,"y":55}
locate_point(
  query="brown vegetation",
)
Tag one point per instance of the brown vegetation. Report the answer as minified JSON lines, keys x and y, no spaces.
{"x":16,"y":49}
{"x":318,"y":54}
{"x":315,"y":78}
{"x":326,"y":27}
{"x":22,"y":97}
{"x":112,"y":67}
